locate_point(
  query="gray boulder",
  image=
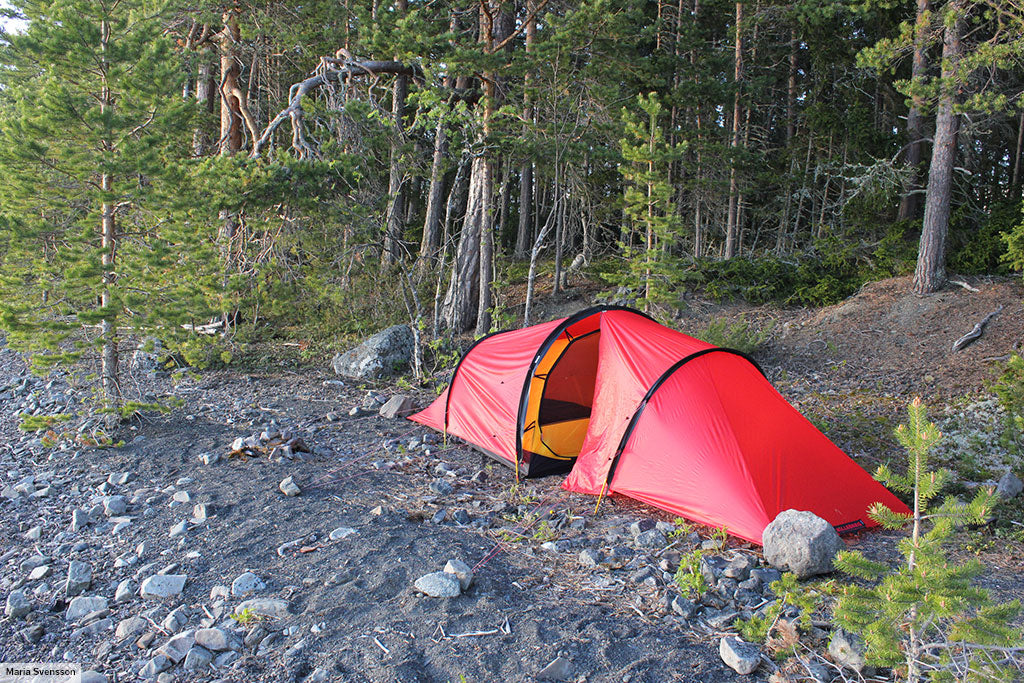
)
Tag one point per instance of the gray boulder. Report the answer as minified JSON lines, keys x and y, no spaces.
{"x":197,"y":659}
{"x":162,"y":586}
{"x":155,"y":667}
{"x":178,"y":646}
{"x":382,"y":355}
{"x":79,"y":578}
{"x":132,"y":626}
{"x":83,"y":605}
{"x":683,"y":607}
{"x":1010,"y":486}
{"x":398,"y":406}
{"x":246,"y":584}
{"x":289,"y":487}
{"x":741,"y":656}
{"x":266,"y":607}
{"x":589,"y":558}
{"x":801,"y":542}
{"x":18,"y":604}
{"x":461,"y":571}
{"x":125,"y":591}
{"x":217,"y":640}
{"x":439,"y":585}
{"x":559,"y":669}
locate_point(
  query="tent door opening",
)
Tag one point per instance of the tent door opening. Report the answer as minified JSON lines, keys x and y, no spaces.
{"x":560,"y":400}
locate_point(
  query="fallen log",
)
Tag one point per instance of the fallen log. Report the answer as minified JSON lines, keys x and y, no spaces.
{"x":975,"y":333}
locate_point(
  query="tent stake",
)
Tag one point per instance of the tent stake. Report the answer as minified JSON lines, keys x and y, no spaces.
{"x":600,"y":496}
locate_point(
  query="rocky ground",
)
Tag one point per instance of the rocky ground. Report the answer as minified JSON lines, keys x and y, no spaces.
{"x":277,"y":528}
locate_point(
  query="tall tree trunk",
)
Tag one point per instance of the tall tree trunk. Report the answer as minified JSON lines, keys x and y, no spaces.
{"x":230,"y":105}
{"x":915,"y":119}
{"x":780,"y":237}
{"x":698,"y":201}
{"x":394,"y":227}
{"x":230,"y":137}
{"x":461,"y":299}
{"x":204,"y":100}
{"x":484,"y":218}
{"x":492,"y":24}
{"x":525,"y":227}
{"x":108,"y":236}
{"x":503,"y":200}
{"x":435,"y":194}
{"x":930,"y":274}
{"x":1015,"y":182}
{"x":559,"y":194}
{"x":477,"y":227}
{"x":791,"y":88}
{"x":731,"y":227}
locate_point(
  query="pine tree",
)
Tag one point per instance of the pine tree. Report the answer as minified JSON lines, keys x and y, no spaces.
{"x":927,"y":615}
{"x":648,"y":199}
{"x":90,"y":130}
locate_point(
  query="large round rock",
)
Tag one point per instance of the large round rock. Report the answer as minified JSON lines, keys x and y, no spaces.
{"x":801,"y":542}
{"x":384,"y":354}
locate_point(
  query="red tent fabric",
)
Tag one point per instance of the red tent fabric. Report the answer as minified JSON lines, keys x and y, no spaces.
{"x":626,"y":405}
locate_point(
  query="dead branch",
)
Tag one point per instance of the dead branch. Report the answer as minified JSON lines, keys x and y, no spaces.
{"x":963,"y":284}
{"x":338,"y":72}
{"x":976,"y":332}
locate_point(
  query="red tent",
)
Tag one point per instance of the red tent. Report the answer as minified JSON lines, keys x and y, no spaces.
{"x":626,"y":405}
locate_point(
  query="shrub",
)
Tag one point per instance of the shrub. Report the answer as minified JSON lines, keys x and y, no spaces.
{"x":739,"y":335}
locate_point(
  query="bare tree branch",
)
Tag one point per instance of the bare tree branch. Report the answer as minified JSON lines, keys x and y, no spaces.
{"x":293,"y":111}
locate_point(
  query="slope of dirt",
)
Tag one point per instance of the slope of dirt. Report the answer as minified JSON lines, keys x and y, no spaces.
{"x":887,"y":336}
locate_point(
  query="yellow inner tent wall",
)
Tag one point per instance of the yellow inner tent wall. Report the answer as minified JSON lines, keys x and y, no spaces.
{"x":565,"y":375}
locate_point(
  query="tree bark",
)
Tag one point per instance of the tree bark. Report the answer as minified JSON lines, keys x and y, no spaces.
{"x":915,"y":119}
{"x":503,"y":201}
{"x":731,"y":227}
{"x":394,"y":227}
{"x":493,"y":23}
{"x":230,"y":139}
{"x":559,"y":193}
{"x":698,"y":201}
{"x":486,"y":227}
{"x":930,"y":274}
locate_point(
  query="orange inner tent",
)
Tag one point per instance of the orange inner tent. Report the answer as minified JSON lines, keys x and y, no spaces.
{"x":561,"y":394}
